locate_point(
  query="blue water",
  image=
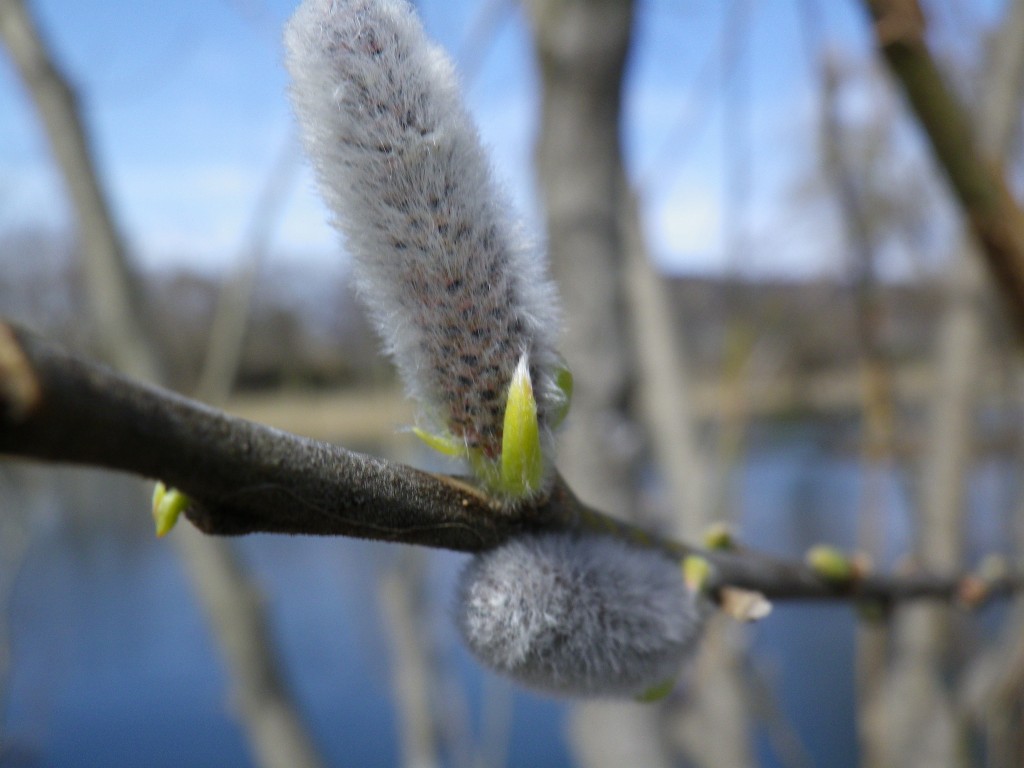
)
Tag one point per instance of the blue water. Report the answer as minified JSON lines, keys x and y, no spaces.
{"x":112,"y":663}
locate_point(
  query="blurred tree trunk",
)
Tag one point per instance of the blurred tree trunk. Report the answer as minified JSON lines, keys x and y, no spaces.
{"x":275,"y":731}
{"x":717,"y":699}
{"x":665,"y":385}
{"x":978,"y":183}
{"x":619,"y":319}
{"x":105,"y":267}
{"x":915,"y":721}
{"x":582,"y":47}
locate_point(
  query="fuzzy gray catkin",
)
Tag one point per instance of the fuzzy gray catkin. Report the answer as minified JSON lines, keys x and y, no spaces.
{"x":454,"y":287}
{"x":584,"y":615}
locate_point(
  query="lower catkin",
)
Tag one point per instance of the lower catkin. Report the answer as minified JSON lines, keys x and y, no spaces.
{"x":583,"y":615}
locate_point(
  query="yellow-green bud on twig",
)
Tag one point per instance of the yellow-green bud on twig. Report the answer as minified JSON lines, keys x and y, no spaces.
{"x":657,"y":692}
{"x":696,"y":572}
{"x":168,"y":504}
{"x":522,"y":463}
{"x":719,"y":536}
{"x":830,"y":563}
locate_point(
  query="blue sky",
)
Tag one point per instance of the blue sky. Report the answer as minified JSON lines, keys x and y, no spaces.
{"x":187,"y":111}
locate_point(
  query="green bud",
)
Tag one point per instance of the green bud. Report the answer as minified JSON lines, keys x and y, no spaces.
{"x":563,"y":380}
{"x":168,"y":504}
{"x":719,"y":536}
{"x":445,"y":444}
{"x":657,"y":692}
{"x":830,"y":563}
{"x":522,"y":462}
{"x":696,"y":572}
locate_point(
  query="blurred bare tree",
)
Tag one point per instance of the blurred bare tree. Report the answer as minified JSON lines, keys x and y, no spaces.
{"x":273,"y":726}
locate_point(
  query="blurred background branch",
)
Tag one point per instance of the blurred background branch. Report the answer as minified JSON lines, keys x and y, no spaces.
{"x":271,"y":720}
{"x":969,"y":163}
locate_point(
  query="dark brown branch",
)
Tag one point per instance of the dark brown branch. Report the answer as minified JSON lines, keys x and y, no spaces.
{"x":244,"y":477}
{"x":977,"y":181}
{"x":247,"y":478}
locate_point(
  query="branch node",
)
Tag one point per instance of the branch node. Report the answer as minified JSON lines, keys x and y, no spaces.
{"x":20,"y":392}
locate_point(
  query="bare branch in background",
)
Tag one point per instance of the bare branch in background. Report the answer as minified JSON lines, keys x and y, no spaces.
{"x":976,"y":178}
{"x":113,"y":294}
{"x":991,"y":685}
{"x":402,"y":602}
{"x":273,"y":727}
{"x":915,"y":722}
{"x":877,"y":402}
{"x":230,"y":320}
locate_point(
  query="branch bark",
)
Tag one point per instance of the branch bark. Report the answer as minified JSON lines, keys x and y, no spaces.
{"x":247,"y":478}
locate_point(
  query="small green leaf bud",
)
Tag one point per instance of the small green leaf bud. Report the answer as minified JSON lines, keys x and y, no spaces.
{"x":830,"y":563}
{"x":168,"y":504}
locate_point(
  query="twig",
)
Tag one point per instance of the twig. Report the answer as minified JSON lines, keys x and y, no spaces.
{"x":977,"y":180}
{"x":247,"y":478}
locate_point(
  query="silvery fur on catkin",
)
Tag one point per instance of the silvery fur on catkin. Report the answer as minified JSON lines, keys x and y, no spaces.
{"x":582,"y":615}
{"x":453,"y":285}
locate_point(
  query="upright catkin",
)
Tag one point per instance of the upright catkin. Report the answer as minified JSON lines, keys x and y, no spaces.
{"x":454,"y":286}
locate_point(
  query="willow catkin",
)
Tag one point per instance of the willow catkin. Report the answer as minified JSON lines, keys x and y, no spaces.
{"x":457,"y":291}
{"x":585,"y":615}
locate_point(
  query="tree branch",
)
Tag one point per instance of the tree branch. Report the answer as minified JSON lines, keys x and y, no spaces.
{"x":977,"y":181}
{"x":247,"y":478}
{"x":59,"y":110}
{"x":244,"y":477}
